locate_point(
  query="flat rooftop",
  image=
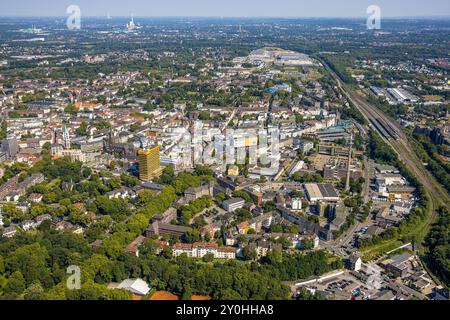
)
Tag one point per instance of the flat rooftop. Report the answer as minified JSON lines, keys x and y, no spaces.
{"x":321,"y":191}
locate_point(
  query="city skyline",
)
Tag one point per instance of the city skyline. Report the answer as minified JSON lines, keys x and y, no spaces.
{"x":246,"y":152}
{"x":233,"y":8}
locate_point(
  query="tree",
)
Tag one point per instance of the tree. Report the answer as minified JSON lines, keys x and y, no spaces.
{"x":3,"y":129}
{"x":203,"y":171}
{"x":208,"y":257}
{"x":304,"y":294}
{"x":276,"y":228}
{"x":134,"y":127}
{"x":167,"y":175}
{"x":118,"y":294}
{"x":145,"y":196}
{"x":269,"y":206}
{"x":437,"y":242}
{"x":242,"y":215}
{"x":71,"y":109}
{"x":13,"y":213}
{"x":16,"y":284}
{"x":30,"y":260}
{"x":34,"y":292}
{"x":191,"y":236}
{"x":76,"y":216}
{"x":64,"y":169}
{"x":187,"y":294}
{"x":307,"y":244}
{"x":220,"y":197}
{"x":244,"y":195}
{"x":138,"y":223}
{"x":249,"y":254}
{"x":130,"y":181}
{"x":297,"y":194}
{"x":116,"y":208}
{"x":274,"y":256}
{"x":47,"y":146}
{"x":82,"y":130}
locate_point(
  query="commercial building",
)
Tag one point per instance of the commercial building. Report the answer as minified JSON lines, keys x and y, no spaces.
{"x":321,"y":192}
{"x":10,"y":147}
{"x":337,"y":168}
{"x":233,"y":204}
{"x":149,"y":163}
{"x":398,"y":264}
{"x":400,"y":95}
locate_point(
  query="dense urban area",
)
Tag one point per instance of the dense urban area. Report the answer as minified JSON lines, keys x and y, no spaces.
{"x":112,"y":146}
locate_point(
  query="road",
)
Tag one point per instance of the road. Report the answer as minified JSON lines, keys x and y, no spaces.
{"x":369,"y":166}
{"x":226,"y":123}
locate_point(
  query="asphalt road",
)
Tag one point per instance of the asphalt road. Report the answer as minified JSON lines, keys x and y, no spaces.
{"x":369,"y":166}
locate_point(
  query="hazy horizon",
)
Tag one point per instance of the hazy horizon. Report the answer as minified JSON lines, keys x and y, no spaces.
{"x":228,"y":9}
{"x":232,"y":17}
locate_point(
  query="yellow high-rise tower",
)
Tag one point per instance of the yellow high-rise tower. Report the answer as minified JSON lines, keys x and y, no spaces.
{"x":149,"y":163}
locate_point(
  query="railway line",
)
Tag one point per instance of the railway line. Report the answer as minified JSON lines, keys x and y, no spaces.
{"x":391,"y":131}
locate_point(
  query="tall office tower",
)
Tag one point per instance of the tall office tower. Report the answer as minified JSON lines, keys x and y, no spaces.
{"x":10,"y":147}
{"x":149,"y":163}
{"x":66,"y":138}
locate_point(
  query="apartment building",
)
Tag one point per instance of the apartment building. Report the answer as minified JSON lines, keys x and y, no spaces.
{"x":201,"y":249}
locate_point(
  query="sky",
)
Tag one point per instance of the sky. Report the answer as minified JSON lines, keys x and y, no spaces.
{"x":227,"y":8}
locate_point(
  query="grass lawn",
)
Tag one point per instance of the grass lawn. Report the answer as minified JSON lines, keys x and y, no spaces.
{"x":379,"y":250}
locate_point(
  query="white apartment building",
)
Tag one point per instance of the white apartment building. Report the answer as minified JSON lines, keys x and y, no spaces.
{"x":201,"y":249}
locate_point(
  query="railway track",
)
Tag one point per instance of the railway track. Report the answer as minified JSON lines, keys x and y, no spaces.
{"x":392,"y":133}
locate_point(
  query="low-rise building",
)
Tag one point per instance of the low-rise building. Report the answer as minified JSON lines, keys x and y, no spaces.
{"x":121,"y":193}
{"x":354,"y":262}
{"x":317,"y":192}
{"x":398,"y":264}
{"x":262,"y":248}
{"x":337,"y":169}
{"x":233,"y":204}
{"x":201,"y":249}
{"x":9,"y":232}
{"x":136,"y":286}
{"x":157,"y":228}
{"x":133,"y":247}
{"x":27,"y":225}
{"x":196,"y":193}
